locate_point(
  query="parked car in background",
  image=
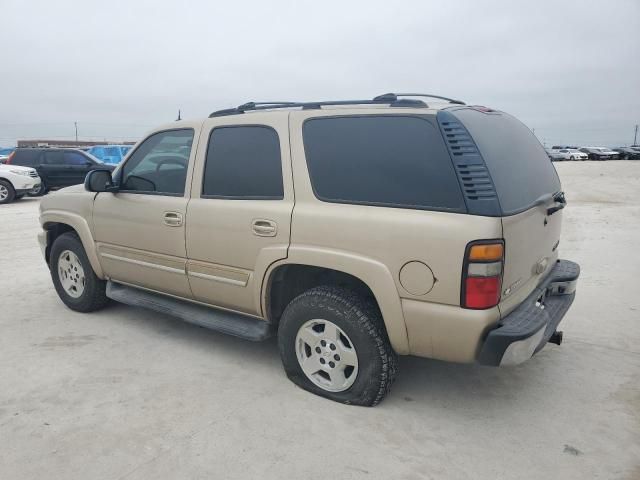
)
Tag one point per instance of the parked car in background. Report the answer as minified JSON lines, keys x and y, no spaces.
{"x":16,"y":182}
{"x":628,"y":153}
{"x":111,"y":154}
{"x":560,"y":147}
{"x":57,"y":167}
{"x":572,"y":154}
{"x":566,"y":154}
{"x":600,"y":153}
{"x":556,"y":155}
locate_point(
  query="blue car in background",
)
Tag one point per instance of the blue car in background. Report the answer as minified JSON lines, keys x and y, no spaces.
{"x":112,"y":154}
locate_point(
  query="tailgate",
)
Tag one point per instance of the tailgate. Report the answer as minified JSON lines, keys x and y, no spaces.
{"x":529,"y":194}
{"x":531,"y":248}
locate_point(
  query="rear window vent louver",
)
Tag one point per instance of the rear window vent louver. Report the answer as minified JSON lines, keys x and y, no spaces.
{"x":475,"y":180}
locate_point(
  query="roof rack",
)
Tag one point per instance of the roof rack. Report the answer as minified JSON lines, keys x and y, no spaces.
{"x":394,"y":97}
{"x":387,"y":99}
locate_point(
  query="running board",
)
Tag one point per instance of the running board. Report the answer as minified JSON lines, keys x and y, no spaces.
{"x":231,"y":323}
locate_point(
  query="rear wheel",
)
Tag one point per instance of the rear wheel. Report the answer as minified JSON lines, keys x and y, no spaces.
{"x":333,"y":343}
{"x":73,"y":277}
{"x":7,"y":193}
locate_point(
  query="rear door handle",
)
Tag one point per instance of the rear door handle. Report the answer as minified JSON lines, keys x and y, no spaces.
{"x":264,"y":228}
{"x":172,"y":219}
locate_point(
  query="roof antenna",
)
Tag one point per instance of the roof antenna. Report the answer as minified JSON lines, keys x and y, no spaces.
{"x":179,"y":117}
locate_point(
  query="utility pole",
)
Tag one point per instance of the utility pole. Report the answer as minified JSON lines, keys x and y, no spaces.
{"x":76,"y":125}
{"x":635,"y":136}
{"x":179,"y":117}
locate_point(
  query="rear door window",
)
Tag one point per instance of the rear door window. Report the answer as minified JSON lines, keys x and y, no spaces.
{"x":519,"y":166}
{"x":385,"y":160}
{"x":53,"y":158}
{"x":75,"y":158}
{"x":243,"y":162}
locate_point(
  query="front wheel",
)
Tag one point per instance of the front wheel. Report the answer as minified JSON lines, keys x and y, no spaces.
{"x":39,"y":190}
{"x":7,"y":193}
{"x":333,"y":343}
{"x":73,"y":277}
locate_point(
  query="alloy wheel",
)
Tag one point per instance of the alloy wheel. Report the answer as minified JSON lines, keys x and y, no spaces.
{"x":326,"y":355}
{"x":71,"y":274}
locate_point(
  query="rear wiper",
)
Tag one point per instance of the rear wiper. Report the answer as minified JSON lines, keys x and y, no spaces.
{"x":561,"y":202}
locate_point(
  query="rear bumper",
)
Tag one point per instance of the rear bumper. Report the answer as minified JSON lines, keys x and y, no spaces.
{"x":529,"y":327}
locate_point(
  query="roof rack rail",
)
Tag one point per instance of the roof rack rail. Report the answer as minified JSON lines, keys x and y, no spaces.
{"x":388,"y":98}
{"x":394,"y":97}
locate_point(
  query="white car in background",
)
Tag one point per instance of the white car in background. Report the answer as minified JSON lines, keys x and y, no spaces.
{"x":567,"y":154}
{"x":16,"y":182}
{"x":555,"y":155}
{"x":575,"y":154}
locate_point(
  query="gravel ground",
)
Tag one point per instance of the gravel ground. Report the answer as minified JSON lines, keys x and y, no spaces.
{"x":126,"y":393}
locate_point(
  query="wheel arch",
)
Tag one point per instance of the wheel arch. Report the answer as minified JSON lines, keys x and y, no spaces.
{"x":7,"y":180}
{"x":57,"y":223}
{"x":306,"y":268}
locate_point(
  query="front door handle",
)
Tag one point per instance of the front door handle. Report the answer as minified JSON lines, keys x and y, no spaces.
{"x":172,"y":219}
{"x":264,"y":228}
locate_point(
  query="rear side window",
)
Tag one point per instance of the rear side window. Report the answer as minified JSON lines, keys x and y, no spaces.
{"x":519,"y":166}
{"x":243,"y":163}
{"x":26,"y":157}
{"x":395,"y":161}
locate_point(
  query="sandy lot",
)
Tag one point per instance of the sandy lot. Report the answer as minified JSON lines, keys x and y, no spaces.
{"x":126,"y":393}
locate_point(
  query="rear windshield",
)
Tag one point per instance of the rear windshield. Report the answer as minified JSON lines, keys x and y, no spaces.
{"x":519,"y":166}
{"x":385,"y":160}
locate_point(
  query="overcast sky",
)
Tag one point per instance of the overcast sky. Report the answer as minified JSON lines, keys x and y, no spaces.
{"x":569,"y":69}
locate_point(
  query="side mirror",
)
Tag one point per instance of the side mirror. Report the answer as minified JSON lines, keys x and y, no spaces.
{"x":99,"y":181}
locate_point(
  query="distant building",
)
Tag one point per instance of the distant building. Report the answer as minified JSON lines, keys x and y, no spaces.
{"x":68,"y":143}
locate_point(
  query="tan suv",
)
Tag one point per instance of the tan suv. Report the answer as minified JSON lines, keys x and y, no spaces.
{"x":354,"y":230}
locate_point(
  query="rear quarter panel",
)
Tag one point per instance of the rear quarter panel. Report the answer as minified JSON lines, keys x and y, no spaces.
{"x":389,"y":237}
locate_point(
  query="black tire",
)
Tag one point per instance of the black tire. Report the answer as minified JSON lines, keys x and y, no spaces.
{"x":572,"y":157}
{"x":94,"y":295}
{"x":11,"y":193}
{"x":41,"y":191}
{"x":362,"y":322}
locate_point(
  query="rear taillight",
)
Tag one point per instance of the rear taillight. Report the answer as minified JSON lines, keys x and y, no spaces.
{"x":10,"y":157}
{"x":482,"y":274}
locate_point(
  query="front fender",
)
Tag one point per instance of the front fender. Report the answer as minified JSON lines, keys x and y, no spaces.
{"x":373,"y":273}
{"x":80,"y":225}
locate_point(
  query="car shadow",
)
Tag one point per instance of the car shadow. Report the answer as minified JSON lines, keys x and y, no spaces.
{"x":420,"y":382}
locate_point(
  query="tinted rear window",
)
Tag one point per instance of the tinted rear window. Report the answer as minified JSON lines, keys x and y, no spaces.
{"x":518,"y":164}
{"x":243,"y":162}
{"x":26,"y":158}
{"x":396,"y":161}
